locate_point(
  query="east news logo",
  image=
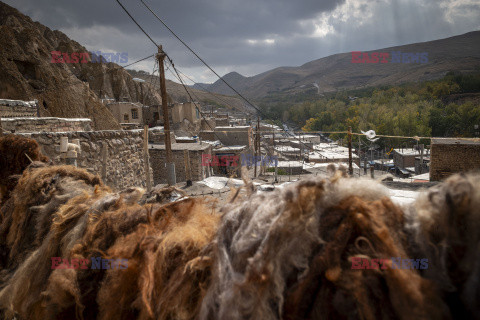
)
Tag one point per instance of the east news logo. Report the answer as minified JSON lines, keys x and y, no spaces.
{"x":96,"y":263}
{"x":382,"y":57}
{"x":397,"y":263}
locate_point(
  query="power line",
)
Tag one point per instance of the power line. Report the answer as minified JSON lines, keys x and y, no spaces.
{"x":126,"y":11}
{"x":106,"y":72}
{"x":203,"y":61}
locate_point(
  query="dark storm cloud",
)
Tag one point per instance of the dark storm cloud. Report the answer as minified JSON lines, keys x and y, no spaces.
{"x":252,"y":36}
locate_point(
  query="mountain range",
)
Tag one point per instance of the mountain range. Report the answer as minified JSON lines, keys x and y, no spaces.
{"x":76,"y":89}
{"x":337,"y":72}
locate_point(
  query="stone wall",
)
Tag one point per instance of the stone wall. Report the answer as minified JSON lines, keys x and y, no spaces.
{"x":221,"y":122}
{"x":234,"y":136}
{"x":207,"y":135}
{"x":9,"y":111}
{"x":447,"y":159}
{"x":404,"y":161}
{"x":157,"y":135}
{"x":207,"y":124}
{"x":125,"y":159}
{"x":195,"y":151}
{"x":46,"y":124}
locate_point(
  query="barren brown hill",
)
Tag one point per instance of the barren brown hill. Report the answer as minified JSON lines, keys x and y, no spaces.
{"x":62,"y":89}
{"x":336,"y":72}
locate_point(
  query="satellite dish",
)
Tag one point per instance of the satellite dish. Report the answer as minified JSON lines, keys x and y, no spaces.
{"x":370,"y":134}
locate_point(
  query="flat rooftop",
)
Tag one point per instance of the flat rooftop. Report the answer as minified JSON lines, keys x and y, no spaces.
{"x":231,"y":128}
{"x":408,"y":152}
{"x":456,"y":141}
{"x":181,"y":146}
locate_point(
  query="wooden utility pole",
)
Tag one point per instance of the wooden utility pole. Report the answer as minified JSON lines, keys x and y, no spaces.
{"x":171,"y":178}
{"x":350,"y":167}
{"x":275,"y":159}
{"x":359,"y":153}
{"x":422,"y":148}
{"x":146,"y":159}
{"x":256,"y":146}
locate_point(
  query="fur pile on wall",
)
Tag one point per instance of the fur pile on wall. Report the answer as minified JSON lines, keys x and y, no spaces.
{"x":286,"y":254}
{"x":445,"y":225}
{"x":61,"y":211}
{"x":14,"y":158}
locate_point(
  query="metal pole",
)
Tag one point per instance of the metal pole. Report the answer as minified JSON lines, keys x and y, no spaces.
{"x":171,"y":178}
{"x":350,"y":167}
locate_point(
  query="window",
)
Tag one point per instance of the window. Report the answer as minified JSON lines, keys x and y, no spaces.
{"x":125,"y":117}
{"x":134,"y":114}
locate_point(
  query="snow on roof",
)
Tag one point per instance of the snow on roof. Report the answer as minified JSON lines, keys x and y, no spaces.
{"x":230,"y":148}
{"x":230,"y":127}
{"x":185,"y":138}
{"x":407,"y":152}
{"x":196,"y":146}
{"x":423,"y":176}
{"x":286,"y":149}
{"x":286,"y":164}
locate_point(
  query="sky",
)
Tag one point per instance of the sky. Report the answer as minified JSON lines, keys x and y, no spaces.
{"x":251,"y":36}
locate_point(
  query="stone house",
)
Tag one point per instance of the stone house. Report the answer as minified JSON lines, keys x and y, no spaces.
{"x":127,"y":112}
{"x":449,"y":156}
{"x":405,"y":158}
{"x":234,"y":136}
{"x":182,"y":153}
{"x":187,"y":110}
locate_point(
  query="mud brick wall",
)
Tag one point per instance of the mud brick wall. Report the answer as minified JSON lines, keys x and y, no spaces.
{"x":447,"y":159}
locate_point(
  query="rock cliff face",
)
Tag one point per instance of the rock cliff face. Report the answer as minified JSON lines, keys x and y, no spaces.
{"x":62,"y":89}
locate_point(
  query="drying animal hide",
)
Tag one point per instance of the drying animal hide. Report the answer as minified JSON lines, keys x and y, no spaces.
{"x":288,"y":254}
{"x":446,"y":229}
{"x":62,"y":211}
{"x":15,"y":152}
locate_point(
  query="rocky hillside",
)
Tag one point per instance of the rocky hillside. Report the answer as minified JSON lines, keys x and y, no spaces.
{"x":336,"y":72}
{"x":62,"y":89}
{"x":176,"y":92}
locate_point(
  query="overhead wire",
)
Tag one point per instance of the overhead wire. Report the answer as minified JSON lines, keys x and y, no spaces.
{"x":203,"y":61}
{"x":106,"y":72}
{"x":222,"y":79}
